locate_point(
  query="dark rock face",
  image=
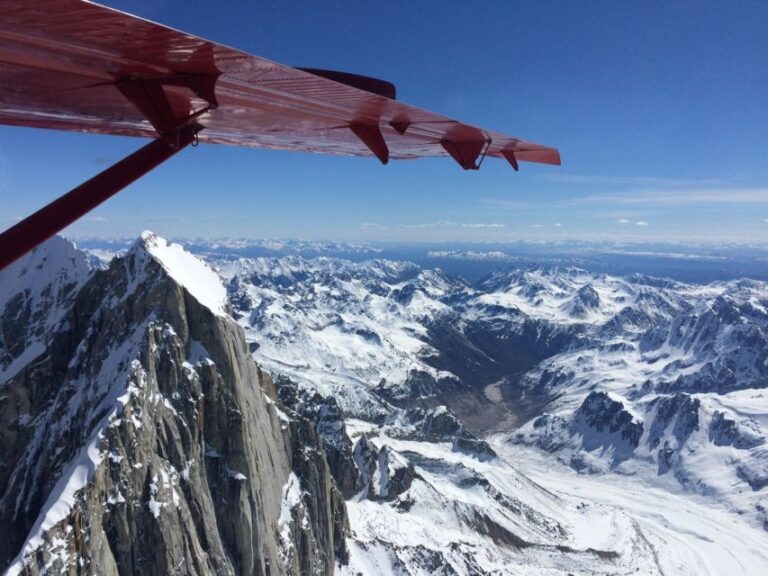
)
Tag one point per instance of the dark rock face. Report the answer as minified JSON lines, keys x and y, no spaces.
{"x":726,"y":336}
{"x":601,"y":413}
{"x":666,"y":458}
{"x":420,"y":388}
{"x":754,"y":475}
{"x":393,"y":475}
{"x":551,"y":431}
{"x":403,"y":295}
{"x":682,"y":409}
{"x":384,"y":473}
{"x":239,"y":300}
{"x":488,"y":348}
{"x":440,"y":425}
{"x":365,"y":455}
{"x":726,"y":432}
{"x":627,"y":319}
{"x":147,"y":423}
{"x":328,"y":420}
{"x":674,"y":418}
{"x":324,"y":504}
{"x":585,"y":301}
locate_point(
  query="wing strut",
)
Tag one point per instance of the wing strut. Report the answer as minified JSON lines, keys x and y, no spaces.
{"x":176,"y":129}
{"x":37,"y":228}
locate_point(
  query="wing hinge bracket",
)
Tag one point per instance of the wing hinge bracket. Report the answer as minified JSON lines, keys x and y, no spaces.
{"x":466,"y":152}
{"x":176,"y":124}
{"x":370,"y":135}
{"x":149,"y":96}
{"x":509,"y":154}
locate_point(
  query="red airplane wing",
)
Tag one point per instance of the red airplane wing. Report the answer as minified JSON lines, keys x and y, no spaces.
{"x":73,"y":65}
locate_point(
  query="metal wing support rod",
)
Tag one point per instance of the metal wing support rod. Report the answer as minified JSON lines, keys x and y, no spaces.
{"x":176,"y":131}
{"x":53,"y":218}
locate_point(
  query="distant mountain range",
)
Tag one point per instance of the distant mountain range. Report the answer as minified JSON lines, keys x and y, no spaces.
{"x":688,"y":263}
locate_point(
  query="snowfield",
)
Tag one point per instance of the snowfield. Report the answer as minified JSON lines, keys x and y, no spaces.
{"x":598,"y":524}
{"x":485,"y":517}
{"x":331,"y":324}
{"x":688,"y":534}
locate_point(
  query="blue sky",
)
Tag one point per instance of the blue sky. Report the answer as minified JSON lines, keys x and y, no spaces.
{"x":658,"y":109}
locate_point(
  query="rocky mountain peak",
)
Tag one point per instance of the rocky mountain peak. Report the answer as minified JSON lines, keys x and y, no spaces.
{"x":190,"y":272}
{"x":588,"y":296}
{"x":144,"y":438}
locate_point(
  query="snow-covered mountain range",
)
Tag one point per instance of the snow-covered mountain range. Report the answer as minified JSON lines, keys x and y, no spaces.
{"x":635,"y":375}
{"x":415,"y":423}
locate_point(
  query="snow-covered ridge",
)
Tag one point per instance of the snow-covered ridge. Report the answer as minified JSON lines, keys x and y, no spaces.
{"x":35,"y":291}
{"x":36,"y":294}
{"x":340,"y":325}
{"x":564,"y":295}
{"x":48,"y":268}
{"x":473,"y":255}
{"x":189,"y":271}
{"x":104,"y":427}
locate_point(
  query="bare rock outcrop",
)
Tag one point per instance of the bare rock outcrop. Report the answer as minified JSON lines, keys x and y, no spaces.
{"x":143,"y":439}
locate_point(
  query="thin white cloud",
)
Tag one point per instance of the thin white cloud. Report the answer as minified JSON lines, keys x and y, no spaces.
{"x":557,"y":225}
{"x":506,"y":204}
{"x":683,"y":197}
{"x":641,"y":223}
{"x":98,"y":219}
{"x":647,"y":197}
{"x":373,"y":226}
{"x":622,"y":221}
{"x":627,"y":180}
{"x":437,"y":224}
{"x":451,"y":224}
{"x":536,"y":226}
{"x":479,"y":225}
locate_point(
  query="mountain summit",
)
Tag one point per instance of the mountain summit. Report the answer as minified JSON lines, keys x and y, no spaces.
{"x":138,"y":436}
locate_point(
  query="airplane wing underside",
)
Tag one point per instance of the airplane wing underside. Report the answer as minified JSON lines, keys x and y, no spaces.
{"x":73,"y":65}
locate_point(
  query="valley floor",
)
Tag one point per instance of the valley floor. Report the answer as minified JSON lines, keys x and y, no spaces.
{"x":689,"y":534}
